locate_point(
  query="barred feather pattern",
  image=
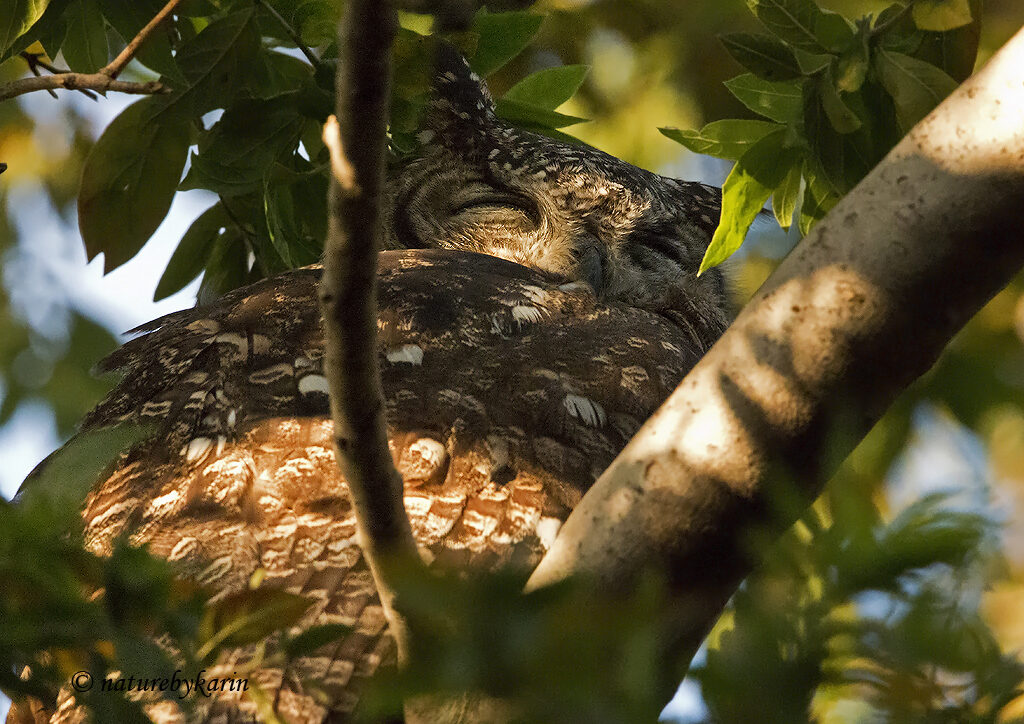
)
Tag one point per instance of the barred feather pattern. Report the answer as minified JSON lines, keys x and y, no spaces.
{"x":508,"y":392}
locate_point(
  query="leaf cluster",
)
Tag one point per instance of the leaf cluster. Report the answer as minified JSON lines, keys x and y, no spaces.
{"x":252,"y":83}
{"x":836,"y":94}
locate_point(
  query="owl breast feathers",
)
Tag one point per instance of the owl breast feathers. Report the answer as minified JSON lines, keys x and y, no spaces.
{"x":545,"y":303}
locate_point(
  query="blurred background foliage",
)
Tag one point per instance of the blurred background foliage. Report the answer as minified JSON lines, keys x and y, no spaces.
{"x":899,"y":597}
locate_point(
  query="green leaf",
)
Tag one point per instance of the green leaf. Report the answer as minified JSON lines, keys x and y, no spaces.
{"x":764,"y":56}
{"x":49,"y":30}
{"x":128,"y":182}
{"x":786,"y":196}
{"x":315,"y":637}
{"x":794,"y":21}
{"x":843,"y":158}
{"x":277,"y":74}
{"x":745,"y":192}
{"x":236,"y":153}
{"x":190,"y":256}
{"x":248,"y":616}
{"x":503,"y":36}
{"x":548,"y":88}
{"x":852,"y":69}
{"x":942,"y":15}
{"x":833,"y":31}
{"x":128,"y":17}
{"x":282,"y":225}
{"x":227,"y":268}
{"x":916,"y":87}
{"x":782,"y":102}
{"x":811,"y":63}
{"x":212,"y":62}
{"x":955,"y":51}
{"x":819,"y":198}
{"x":85,"y":45}
{"x":840,"y":115}
{"x":528,"y":115}
{"x":728,"y":139}
{"x":64,"y":479}
{"x":16,"y":17}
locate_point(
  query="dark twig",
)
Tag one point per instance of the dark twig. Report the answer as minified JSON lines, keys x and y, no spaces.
{"x":35,"y":62}
{"x":292,"y":33}
{"x":357,"y":141}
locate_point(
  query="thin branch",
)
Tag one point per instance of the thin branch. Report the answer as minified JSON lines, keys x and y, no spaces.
{"x":857,"y":311}
{"x":348,"y":300}
{"x":114,"y":68}
{"x":34,"y":63}
{"x":292,"y":33}
{"x":78,"y":81}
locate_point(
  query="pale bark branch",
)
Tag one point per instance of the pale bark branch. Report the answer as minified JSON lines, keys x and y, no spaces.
{"x":861,"y":308}
{"x":103,"y":80}
{"x":79,"y":81}
{"x":348,"y":299}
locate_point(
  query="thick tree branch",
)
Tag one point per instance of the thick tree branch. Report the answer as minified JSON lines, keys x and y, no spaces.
{"x":861,"y":308}
{"x":103,"y":80}
{"x":348,"y":297}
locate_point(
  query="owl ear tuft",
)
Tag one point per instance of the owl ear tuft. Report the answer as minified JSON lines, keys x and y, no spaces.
{"x":461,"y":103}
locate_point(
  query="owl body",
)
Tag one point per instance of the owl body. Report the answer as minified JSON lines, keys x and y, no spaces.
{"x":508,"y":391}
{"x":538,"y":302}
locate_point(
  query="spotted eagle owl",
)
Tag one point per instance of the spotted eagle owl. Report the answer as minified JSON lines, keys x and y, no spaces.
{"x":538,"y":301}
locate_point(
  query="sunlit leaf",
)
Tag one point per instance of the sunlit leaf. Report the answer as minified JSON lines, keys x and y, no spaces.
{"x":746,"y":191}
{"x":17,"y":16}
{"x":727,"y":139}
{"x":818,"y":198}
{"x":128,"y":182}
{"x":782,"y":102}
{"x":786,"y":195}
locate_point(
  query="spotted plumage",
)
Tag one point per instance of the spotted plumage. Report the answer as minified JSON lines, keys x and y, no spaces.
{"x":538,"y":303}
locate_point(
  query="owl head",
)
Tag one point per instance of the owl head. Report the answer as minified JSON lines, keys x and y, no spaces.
{"x":481,"y":184}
